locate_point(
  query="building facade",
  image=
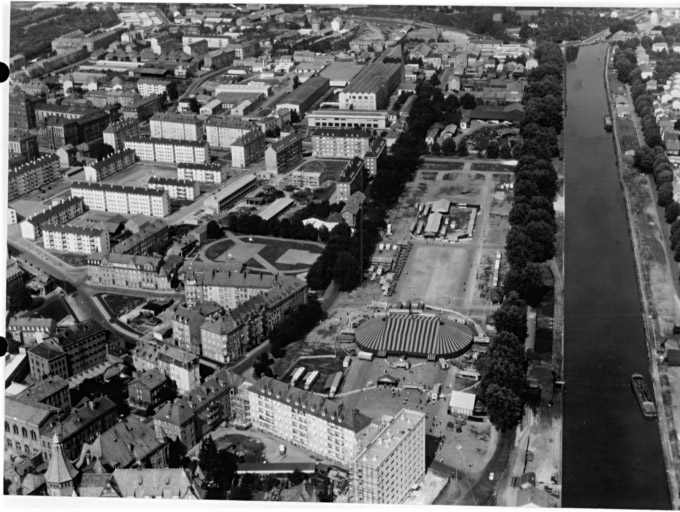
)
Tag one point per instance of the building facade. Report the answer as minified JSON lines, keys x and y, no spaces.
{"x":176,"y":188}
{"x":74,"y":239}
{"x":110,"y":165}
{"x":202,"y":173}
{"x":128,"y":271}
{"x":331,"y":118}
{"x":22,"y":111}
{"x":123,"y":199}
{"x":350,"y":180}
{"x":32,"y":175}
{"x":24,"y":144}
{"x":247,"y":149}
{"x":222,"y":132}
{"x":169,"y":151}
{"x":340,"y":143}
{"x":115,"y":133}
{"x":178,"y":365}
{"x":174,"y":126}
{"x":284,"y":154}
{"x":61,"y":213}
{"x":142,"y":109}
{"x":150,"y":86}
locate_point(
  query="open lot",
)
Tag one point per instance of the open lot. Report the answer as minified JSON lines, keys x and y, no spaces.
{"x":54,"y":307}
{"x":121,"y":304}
{"x":326,"y":366}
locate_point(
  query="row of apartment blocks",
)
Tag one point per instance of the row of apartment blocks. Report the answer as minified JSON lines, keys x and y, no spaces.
{"x":60,"y":213}
{"x":75,"y":239}
{"x":29,"y":176}
{"x":122,"y":199}
{"x":203,"y":173}
{"x":176,"y":188}
{"x":110,"y":165}
{"x":169,"y":151}
{"x":347,"y":144}
{"x":131,"y":271}
{"x":173,"y":126}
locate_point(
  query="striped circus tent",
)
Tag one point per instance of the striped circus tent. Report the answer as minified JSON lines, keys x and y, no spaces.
{"x":414,"y":335}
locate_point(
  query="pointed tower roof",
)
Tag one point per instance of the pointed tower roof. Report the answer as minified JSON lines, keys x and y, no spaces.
{"x":60,"y":470}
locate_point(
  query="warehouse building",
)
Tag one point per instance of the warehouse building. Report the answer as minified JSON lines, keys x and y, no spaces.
{"x":371,"y":88}
{"x":304,"y":97}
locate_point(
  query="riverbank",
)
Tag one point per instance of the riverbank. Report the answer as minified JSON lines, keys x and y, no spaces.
{"x":637,"y":218}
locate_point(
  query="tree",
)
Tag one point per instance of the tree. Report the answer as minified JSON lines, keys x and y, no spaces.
{"x":297,"y":477}
{"x":504,"y":406}
{"x":346,"y":271}
{"x":194,"y":105}
{"x":323,"y":234}
{"x":207,"y":458}
{"x":492,"y":151}
{"x":672,"y":212}
{"x":435,"y":149}
{"x":173,"y":93}
{"x":214,"y":231}
{"x":644,"y":159}
{"x":296,"y":82}
{"x":463,"y":148}
{"x":18,"y":298}
{"x":294,"y":116}
{"x":512,"y":316}
{"x":448,"y":146}
{"x":467,"y":101}
{"x":527,"y":281}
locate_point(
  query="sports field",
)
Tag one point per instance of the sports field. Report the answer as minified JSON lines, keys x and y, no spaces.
{"x":435,"y":274}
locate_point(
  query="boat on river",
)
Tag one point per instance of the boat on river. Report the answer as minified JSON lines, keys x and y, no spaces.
{"x":608,"y":123}
{"x":644,"y":397}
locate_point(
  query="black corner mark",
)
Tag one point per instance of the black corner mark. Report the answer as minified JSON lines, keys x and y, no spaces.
{"x":3,"y":346}
{"x":4,"y":72}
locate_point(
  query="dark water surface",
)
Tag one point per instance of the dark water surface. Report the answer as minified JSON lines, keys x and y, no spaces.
{"x":612,"y":453}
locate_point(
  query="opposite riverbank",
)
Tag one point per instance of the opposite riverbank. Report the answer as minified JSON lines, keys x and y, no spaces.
{"x":642,"y":239}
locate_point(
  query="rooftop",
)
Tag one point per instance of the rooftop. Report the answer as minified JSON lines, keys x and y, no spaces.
{"x":372,"y":78}
{"x":123,"y":189}
{"x":390,"y":437}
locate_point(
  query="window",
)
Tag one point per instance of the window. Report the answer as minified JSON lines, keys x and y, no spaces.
{"x":33,"y":436}
{"x":6,"y":427}
{"x":24,"y":432}
{"x":15,"y":429}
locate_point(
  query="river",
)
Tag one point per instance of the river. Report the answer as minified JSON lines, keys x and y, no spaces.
{"x":612,"y":455}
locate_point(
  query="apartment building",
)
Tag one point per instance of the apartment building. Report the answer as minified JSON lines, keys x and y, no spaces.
{"x":22,"y":111}
{"x":224,"y":286}
{"x":304,"y":97}
{"x":148,"y":390}
{"x":392,"y":462}
{"x":372,"y":156}
{"x":25,"y":144}
{"x":75,"y":239}
{"x":189,"y":418}
{"x":70,"y":352}
{"x":219,"y":58}
{"x":283,"y":154}
{"x":216,"y":41}
{"x":340,"y":143}
{"x":29,"y":176}
{"x":102,"y":98}
{"x":222,"y":339}
{"x":130,"y":271}
{"x":176,"y":188}
{"x":222,"y":132}
{"x":148,"y":238}
{"x":115,"y":133}
{"x":350,"y":180}
{"x":86,"y":421}
{"x":58,"y":131}
{"x":306,"y":179}
{"x":187,"y":322}
{"x":52,"y":391}
{"x":31,"y":330}
{"x":31,"y":228}
{"x":172,"y":126}
{"x":24,"y":425}
{"x":248,"y":149}
{"x":178,"y":365}
{"x":150,"y":86}
{"x":110,"y":165}
{"x":142,"y":109}
{"x":44,"y":111}
{"x":202,"y":173}
{"x":307,"y":420}
{"x":122,"y":199}
{"x":169,"y":151}
{"x":375,"y":120}
{"x":93,"y":41}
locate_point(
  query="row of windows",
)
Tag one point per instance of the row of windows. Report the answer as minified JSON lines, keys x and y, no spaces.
{"x":24,"y":432}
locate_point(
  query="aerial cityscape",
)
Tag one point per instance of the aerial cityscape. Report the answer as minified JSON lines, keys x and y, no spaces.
{"x":344,"y":253}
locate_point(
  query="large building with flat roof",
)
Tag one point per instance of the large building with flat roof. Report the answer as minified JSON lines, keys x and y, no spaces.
{"x":340,"y":73}
{"x":123,"y":199}
{"x":302,"y":98}
{"x":392,"y":462}
{"x":371,"y":88}
{"x":333,"y":118}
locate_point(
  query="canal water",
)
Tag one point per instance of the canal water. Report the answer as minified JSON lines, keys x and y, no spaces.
{"x":612,"y":455}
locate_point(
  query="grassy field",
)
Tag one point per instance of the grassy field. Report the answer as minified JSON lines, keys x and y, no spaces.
{"x":216,"y":250}
{"x":76,"y":260}
{"x":274,"y":249}
{"x":121,"y":304}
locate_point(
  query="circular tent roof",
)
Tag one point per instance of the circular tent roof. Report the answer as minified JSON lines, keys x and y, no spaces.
{"x":414,"y":335}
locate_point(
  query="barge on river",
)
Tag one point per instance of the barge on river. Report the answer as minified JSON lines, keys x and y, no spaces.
{"x":644,"y":397}
{"x":608,"y":123}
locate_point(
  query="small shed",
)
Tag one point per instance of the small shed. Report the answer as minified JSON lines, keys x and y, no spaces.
{"x":387,"y":381}
{"x":672,"y":352}
{"x":462,"y":403}
{"x":528,"y":480}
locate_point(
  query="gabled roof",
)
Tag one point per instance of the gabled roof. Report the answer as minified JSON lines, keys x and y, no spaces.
{"x":153,"y":483}
{"x":60,"y":470}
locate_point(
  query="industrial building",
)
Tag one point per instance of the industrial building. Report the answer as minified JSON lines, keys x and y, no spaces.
{"x":304,"y":97}
{"x":371,"y":88}
{"x":333,"y":118}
